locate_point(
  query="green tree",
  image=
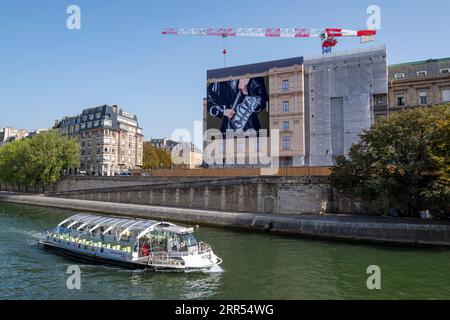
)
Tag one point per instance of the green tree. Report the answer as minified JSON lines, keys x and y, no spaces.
{"x":50,"y":154}
{"x":402,"y":161}
{"x":13,"y":160}
{"x":155,"y":158}
{"x":40,"y":159}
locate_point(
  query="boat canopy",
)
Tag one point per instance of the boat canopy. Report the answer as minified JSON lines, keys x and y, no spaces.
{"x":108,"y":223}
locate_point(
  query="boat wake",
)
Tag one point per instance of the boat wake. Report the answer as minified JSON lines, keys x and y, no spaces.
{"x":215,"y":269}
{"x":30,"y":236}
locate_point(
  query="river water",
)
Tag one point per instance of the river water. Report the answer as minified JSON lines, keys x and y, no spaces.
{"x":255,"y":266}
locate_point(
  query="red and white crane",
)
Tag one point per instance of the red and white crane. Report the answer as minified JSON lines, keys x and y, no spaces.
{"x":328,"y":35}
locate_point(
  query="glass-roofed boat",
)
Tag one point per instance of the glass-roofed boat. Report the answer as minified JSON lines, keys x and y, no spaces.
{"x":132,"y":243}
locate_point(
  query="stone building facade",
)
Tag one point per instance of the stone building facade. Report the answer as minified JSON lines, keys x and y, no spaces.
{"x":110,"y":139}
{"x":416,"y":84}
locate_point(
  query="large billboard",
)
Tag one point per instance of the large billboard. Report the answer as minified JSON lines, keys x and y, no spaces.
{"x":240,"y":104}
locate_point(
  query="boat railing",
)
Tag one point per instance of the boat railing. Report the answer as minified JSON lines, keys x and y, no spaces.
{"x":162,"y":259}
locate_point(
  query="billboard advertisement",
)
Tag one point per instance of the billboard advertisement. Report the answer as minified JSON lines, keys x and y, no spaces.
{"x":239,"y":104}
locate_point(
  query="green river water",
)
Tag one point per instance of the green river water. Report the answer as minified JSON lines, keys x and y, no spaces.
{"x":255,"y":266}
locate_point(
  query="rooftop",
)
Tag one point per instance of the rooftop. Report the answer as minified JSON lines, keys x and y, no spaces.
{"x":420,"y":62}
{"x":253,"y":68}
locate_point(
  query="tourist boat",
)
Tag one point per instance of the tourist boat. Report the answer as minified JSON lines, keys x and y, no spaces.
{"x":132,"y":243}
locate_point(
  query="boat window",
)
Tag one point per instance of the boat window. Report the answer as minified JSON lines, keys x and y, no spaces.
{"x":189,"y":239}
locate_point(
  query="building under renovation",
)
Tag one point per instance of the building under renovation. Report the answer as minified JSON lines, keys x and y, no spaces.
{"x":319,"y":104}
{"x":340,"y":92}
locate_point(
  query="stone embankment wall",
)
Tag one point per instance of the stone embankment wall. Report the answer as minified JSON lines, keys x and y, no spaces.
{"x":277,"y":195}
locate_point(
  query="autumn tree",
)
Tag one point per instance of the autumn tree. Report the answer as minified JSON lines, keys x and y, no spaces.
{"x":155,"y":158}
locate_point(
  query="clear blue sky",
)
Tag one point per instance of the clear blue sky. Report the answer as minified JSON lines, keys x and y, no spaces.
{"x":119,"y":56}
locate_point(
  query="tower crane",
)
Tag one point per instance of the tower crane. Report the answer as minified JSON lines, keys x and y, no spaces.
{"x":328,"y":36}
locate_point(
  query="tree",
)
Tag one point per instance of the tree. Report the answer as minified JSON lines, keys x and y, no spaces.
{"x":155,"y":158}
{"x":40,"y":159}
{"x":13,"y":160}
{"x":52,"y":153}
{"x":402,"y":161}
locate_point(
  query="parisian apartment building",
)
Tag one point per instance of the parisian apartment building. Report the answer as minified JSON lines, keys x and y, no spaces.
{"x":416,"y":84}
{"x":111,"y":141}
{"x":319,"y":104}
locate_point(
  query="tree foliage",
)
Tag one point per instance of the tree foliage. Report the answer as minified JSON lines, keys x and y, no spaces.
{"x":155,"y":158}
{"x":40,"y":159}
{"x":403,"y":161}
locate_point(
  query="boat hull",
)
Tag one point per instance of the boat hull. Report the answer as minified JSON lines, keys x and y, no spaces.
{"x":98,"y":259}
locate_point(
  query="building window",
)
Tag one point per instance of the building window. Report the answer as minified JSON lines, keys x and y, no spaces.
{"x":379,"y":100}
{"x":400,"y":100}
{"x":445,"y":71}
{"x":285,"y":125}
{"x":285,"y":87}
{"x":286,"y":143}
{"x":421,"y":73}
{"x":399,"y":76}
{"x":446,"y":95}
{"x":423,"y":97}
{"x":285,"y":106}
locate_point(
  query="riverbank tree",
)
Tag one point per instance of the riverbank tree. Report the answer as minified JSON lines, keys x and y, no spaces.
{"x":39,"y":160}
{"x":401,"y":162}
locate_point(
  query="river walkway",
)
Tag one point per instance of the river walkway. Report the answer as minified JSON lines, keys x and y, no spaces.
{"x":399,"y":231}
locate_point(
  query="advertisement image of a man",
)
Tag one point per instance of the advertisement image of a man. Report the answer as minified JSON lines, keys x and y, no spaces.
{"x":237,"y":103}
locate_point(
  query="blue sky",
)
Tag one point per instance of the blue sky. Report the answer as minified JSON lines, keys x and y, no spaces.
{"x":120,"y":57}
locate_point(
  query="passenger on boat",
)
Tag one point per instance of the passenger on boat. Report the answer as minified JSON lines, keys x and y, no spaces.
{"x":102,"y":236}
{"x":145,"y":250}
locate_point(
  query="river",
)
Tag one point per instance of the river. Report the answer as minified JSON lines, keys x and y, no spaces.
{"x":255,"y":266}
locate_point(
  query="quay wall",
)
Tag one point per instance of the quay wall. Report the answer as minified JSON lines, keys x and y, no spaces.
{"x":276,"y":195}
{"x":411,"y":232}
